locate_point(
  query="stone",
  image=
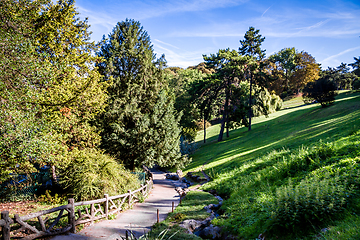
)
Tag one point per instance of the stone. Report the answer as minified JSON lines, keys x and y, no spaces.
{"x":210,"y":232}
{"x":172,"y":176}
{"x":190,"y":225}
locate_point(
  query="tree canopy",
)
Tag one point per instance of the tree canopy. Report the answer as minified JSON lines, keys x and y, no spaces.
{"x":131,"y":126}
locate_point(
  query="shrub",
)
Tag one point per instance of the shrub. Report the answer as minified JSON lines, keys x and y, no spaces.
{"x":91,"y":174}
{"x":310,"y":201}
{"x":264,"y":100}
{"x":322,"y":90}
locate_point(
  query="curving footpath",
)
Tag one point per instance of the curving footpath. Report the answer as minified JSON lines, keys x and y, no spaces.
{"x":139,"y":219}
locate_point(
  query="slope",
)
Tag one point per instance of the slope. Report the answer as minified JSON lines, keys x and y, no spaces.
{"x":299,"y":147}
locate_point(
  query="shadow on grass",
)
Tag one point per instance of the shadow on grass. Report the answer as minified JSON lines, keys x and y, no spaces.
{"x":289,"y":128}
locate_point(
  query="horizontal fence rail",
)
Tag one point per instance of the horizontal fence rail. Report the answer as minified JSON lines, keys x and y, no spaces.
{"x":64,"y":218}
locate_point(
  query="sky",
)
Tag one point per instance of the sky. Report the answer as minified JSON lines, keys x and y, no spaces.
{"x":185,"y":30}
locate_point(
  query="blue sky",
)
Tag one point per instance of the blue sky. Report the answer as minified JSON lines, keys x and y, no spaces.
{"x":184,"y":30}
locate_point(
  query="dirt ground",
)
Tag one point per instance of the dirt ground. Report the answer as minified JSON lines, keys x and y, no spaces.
{"x":22,"y":208}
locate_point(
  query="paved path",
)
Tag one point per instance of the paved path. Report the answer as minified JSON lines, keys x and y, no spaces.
{"x":139,"y":219}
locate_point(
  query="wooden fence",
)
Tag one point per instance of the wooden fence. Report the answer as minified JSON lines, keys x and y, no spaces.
{"x":34,"y":225}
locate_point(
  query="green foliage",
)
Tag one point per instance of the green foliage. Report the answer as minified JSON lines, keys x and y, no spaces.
{"x":191,"y":207}
{"x":180,"y":82}
{"x":309,"y":202}
{"x":229,"y":68}
{"x":356,"y":84}
{"x":285,"y":61}
{"x":92,"y":174}
{"x":253,"y":169}
{"x":49,"y":89}
{"x":139,"y":125}
{"x":48,"y":198}
{"x":24,"y":138}
{"x":356,"y":66}
{"x":322,"y":91}
{"x":178,"y":217}
{"x":251,"y":45}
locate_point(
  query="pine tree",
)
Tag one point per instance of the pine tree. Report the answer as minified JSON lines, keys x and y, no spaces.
{"x":133,"y":127}
{"x":251,"y":46}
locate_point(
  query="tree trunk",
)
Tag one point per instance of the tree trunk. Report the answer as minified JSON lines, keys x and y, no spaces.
{"x":225,"y":113}
{"x":250,"y":104}
{"x":227,"y":127}
{"x":220,"y":138}
{"x":204,"y":130}
{"x":53,"y":172}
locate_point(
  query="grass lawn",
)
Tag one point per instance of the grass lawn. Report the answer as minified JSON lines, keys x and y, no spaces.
{"x":296,"y":173}
{"x":287,"y":128}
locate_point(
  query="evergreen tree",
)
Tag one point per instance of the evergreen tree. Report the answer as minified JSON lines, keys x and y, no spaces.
{"x":251,"y":46}
{"x":134,"y":129}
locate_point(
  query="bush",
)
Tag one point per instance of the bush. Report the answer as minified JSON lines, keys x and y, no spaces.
{"x":264,"y":100}
{"x":322,"y":91}
{"x":310,"y":201}
{"x":91,"y":174}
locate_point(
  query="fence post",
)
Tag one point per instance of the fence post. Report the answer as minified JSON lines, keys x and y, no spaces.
{"x":172,"y":207}
{"x":71,"y":215}
{"x":107,"y":206}
{"x":158,"y":217}
{"x":6,"y":229}
{"x":129,"y":200}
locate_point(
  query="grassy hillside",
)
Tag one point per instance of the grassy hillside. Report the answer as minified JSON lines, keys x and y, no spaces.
{"x":296,"y":173}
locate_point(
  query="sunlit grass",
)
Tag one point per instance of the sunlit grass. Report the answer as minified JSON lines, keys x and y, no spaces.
{"x":297,"y":142}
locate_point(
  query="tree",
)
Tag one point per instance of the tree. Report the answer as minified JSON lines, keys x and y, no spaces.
{"x":130,"y":130}
{"x":356,"y":66}
{"x":341,"y":76}
{"x":285,"y":61}
{"x":57,"y":90}
{"x":76,"y":95}
{"x":322,"y":91}
{"x":229,"y":66}
{"x":180,"y":82}
{"x":291,"y":70}
{"x":23,"y":142}
{"x":251,"y":46}
{"x":306,"y":70}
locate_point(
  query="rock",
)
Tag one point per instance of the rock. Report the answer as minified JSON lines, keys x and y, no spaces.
{"x":210,"y":232}
{"x":190,"y":225}
{"x":182,"y":191}
{"x":208,"y":209}
{"x":220,"y":199}
{"x":179,"y":173}
{"x":172,"y":176}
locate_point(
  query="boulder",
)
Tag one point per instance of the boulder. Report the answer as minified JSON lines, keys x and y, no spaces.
{"x":190,"y":225}
{"x":210,"y":232}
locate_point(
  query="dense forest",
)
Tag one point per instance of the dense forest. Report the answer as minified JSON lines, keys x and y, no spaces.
{"x":92,"y":113}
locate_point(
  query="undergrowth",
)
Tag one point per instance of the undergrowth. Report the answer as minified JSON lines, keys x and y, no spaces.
{"x":290,"y":191}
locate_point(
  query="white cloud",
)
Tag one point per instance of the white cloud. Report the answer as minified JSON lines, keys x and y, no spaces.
{"x":332,"y":60}
{"x":178,"y":57}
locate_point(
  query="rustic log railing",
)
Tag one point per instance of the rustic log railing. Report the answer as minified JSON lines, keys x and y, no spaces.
{"x":34,"y":225}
